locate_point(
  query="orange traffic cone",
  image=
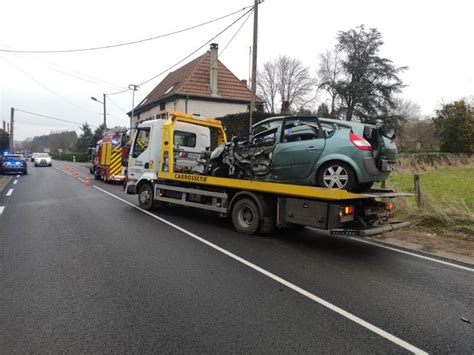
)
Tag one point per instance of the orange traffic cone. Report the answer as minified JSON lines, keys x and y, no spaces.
{"x":88,"y":182}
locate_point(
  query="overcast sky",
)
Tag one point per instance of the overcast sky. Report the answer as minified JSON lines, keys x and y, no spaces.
{"x":432,"y":38}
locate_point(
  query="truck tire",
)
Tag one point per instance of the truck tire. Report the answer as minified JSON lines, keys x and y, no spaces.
{"x":145,"y":197}
{"x":246,"y":216}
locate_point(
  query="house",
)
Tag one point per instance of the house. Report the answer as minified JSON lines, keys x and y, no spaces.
{"x":204,"y":87}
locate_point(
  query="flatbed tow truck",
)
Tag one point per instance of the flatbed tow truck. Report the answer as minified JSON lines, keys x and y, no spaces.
{"x":164,"y":172}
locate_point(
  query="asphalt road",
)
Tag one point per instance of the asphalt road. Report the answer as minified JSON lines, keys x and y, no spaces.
{"x":84,"y":271}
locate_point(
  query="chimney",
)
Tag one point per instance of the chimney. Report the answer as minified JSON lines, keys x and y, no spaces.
{"x":244,"y":81}
{"x":213,"y":72}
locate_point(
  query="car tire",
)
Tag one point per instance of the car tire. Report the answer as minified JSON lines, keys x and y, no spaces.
{"x":145,"y":196}
{"x":246,"y":216}
{"x":25,"y":172}
{"x":336,"y":175}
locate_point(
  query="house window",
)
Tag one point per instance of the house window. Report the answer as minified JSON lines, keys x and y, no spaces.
{"x":184,"y":139}
{"x":162,"y":106}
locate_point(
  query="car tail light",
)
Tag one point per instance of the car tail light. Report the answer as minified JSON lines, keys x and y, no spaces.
{"x":360,"y":142}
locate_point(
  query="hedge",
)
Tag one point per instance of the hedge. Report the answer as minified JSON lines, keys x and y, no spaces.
{"x":238,"y":124}
{"x":80,"y":157}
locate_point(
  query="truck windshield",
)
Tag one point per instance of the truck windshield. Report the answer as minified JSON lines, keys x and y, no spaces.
{"x":141,"y":141}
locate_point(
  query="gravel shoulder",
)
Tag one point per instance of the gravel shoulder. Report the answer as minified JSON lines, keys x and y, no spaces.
{"x":458,"y":247}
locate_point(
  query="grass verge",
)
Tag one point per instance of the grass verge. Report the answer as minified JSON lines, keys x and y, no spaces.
{"x":447,"y":194}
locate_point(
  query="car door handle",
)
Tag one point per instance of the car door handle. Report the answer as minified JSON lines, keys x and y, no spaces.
{"x":311,"y":148}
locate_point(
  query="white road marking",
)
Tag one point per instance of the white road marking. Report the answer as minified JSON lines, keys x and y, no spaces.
{"x":18,"y":175}
{"x":2,"y":208}
{"x":9,"y":193}
{"x":414,"y":254}
{"x":15,"y":182}
{"x":334,"y":308}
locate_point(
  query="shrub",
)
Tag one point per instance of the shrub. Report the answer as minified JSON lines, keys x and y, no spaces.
{"x":80,"y":157}
{"x":238,"y":124}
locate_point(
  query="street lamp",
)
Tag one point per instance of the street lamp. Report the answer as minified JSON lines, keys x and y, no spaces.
{"x":105,"y":112}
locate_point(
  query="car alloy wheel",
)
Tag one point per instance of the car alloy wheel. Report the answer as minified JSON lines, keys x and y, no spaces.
{"x":335,"y":177}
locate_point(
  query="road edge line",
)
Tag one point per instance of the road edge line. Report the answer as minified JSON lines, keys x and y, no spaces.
{"x":392,"y":338}
{"x":421,"y":256}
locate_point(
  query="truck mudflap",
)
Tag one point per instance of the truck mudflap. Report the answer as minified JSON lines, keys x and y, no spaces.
{"x":370,"y":231}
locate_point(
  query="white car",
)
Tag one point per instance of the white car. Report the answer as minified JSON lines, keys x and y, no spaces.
{"x":43,"y":159}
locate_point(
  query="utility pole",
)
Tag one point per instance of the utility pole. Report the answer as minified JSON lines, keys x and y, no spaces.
{"x":134,"y":88}
{"x":12,"y":120}
{"x":105,"y":115}
{"x":254,"y":63}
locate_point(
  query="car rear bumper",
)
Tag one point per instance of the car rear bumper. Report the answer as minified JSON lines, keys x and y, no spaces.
{"x":12,"y":170}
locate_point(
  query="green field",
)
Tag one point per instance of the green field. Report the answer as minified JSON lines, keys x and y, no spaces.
{"x":447,"y":184}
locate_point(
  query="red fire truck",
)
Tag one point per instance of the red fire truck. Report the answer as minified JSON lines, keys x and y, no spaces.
{"x":110,"y":155}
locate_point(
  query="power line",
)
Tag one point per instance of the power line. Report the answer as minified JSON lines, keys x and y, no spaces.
{"x":187,"y":56}
{"x":44,"y":86}
{"x":225,"y":47}
{"x":52,"y":118}
{"x":72,"y":73}
{"x":116,"y":105}
{"x":124,"y":43}
{"x":196,"y":50}
{"x":235,"y":34}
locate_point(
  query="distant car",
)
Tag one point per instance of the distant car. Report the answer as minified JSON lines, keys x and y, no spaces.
{"x":327,"y":152}
{"x":43,"y":159}
{"x":13,"y":164}
{"x":32,"y":157}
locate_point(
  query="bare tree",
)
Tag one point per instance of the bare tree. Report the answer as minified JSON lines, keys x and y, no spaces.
{"x":406,"y":109}
{"x":295,"y":83}
{"x":285,"y":82}
{"x":329,"y":74}
{"x":267,"y":85}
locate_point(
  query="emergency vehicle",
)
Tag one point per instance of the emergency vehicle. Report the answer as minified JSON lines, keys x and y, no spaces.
{"x":110,"y":154}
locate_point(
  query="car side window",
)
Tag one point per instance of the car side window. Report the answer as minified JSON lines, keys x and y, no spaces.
{"x":141,"y":142}
{"x":299,"y":131}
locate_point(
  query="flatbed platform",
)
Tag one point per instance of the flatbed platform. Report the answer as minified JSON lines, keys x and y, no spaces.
{"x":309,"y":192}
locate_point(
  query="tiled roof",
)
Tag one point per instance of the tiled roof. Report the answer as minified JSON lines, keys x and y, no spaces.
{"x":193,"y":79}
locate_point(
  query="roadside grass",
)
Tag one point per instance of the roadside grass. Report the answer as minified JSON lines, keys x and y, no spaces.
{"x":447,"y":194}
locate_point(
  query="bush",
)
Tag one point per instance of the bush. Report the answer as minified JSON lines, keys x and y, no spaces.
{"x":80,"y":157}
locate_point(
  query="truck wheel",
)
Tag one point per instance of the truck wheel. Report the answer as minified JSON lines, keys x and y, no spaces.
{"x":145,"y":197}
{"x":246,"y":216}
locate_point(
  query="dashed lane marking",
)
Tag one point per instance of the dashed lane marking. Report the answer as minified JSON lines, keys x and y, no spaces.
{"x":15,"y":182}
{"x":2,"y":208}
{"x":18,"y":175}
{"x":9,"y":193}
{"x":390,"y":337}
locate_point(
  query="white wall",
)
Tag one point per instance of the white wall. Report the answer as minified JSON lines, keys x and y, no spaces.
{"x":203,"y":108}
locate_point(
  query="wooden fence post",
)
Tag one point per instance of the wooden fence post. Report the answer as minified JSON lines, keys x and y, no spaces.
{"x":416,"y":179}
